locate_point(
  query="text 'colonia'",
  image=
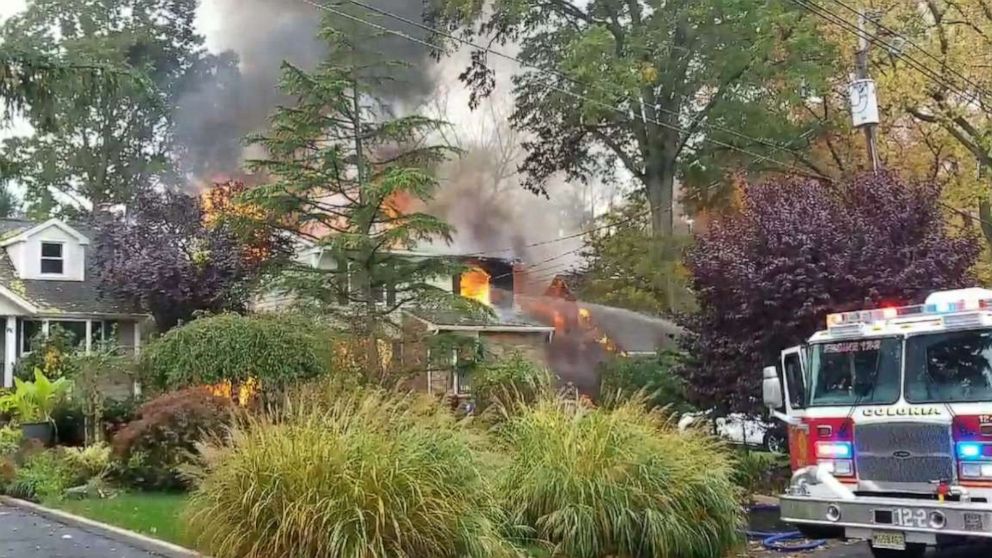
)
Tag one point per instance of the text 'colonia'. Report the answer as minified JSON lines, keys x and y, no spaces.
{"x":902,"y":412}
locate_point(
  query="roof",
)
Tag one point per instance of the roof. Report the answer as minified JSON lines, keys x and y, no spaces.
{"x":57,"y":297}
{"x":24,"y":231}
{"x":502,"y":320}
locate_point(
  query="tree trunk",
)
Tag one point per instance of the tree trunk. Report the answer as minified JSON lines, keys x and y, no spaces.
{"x":659,"y":183}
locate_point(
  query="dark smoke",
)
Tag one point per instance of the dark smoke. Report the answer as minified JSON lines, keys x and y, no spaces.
{"x":238,"y":93}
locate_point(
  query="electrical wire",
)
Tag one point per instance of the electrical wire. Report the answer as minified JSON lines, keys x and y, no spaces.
{"x":977,"y":88}
{"x":601,"y":104}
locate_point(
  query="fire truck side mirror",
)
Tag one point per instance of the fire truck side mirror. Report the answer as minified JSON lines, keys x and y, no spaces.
{"x":771,"y":388}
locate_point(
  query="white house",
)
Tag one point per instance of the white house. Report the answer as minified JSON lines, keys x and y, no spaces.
{"x":46,"y":280}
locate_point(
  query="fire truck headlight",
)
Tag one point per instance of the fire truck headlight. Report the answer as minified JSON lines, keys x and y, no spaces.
{"x":969,"y":450}
{"x":834,"y":450}
{"x":837,"y":467}
{"x":976,"y":470}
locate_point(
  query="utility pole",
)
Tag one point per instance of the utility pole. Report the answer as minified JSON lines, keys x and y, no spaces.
{"x":866,"y":87}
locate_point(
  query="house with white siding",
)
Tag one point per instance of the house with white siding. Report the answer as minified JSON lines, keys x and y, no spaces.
{"x":46,"y":280}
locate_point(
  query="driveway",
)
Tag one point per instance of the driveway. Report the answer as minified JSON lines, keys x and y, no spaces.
{"x":25,"y":535}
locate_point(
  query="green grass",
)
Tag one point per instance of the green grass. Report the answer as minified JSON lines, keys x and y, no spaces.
{"x":153,"y":514}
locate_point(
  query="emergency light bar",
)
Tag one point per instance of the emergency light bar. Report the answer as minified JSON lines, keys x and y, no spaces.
{"x":921,"y":310}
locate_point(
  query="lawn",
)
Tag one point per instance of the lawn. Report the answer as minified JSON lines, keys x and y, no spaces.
{"x":152,"y":514}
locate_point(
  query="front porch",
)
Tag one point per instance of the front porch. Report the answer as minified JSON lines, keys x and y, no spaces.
{"x":88,"y":333}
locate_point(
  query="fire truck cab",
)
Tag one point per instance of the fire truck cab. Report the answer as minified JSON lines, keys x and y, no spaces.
{"x":889,"y":413}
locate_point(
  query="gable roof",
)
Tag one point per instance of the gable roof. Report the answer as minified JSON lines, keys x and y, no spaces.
{"x":53,"y":297}
{"x":22,"y":230}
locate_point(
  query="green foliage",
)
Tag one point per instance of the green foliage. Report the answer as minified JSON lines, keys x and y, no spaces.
{"x":651,"y":378}
{"x":88,"y":462}
{"x":93,"y":371}
{"x":43,"y":475}
{"x":356,"y":474}
{"x":508,"y":380}
{"x":33,"y":402}
{"x":758,"y":472}
{"x":52,"y":354}
{"x":275,"y":349}
{"x":108,"y":77}
{"x":595,"y":482}
{"x":10,"y":440}
{"x":754,"y":61}
{"x":152,"y":449}
{"x":628,"y":268}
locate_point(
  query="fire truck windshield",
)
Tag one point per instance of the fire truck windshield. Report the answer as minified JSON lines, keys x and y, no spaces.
{"x":949,"y":367}
{"x":863,"y":371}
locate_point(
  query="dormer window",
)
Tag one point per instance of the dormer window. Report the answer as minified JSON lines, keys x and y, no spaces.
{"x":52,"y":262}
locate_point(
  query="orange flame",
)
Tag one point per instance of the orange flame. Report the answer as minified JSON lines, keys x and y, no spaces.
{"x":475,"y":285}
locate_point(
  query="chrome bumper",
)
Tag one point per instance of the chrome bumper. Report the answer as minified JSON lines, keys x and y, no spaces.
{"x":858,"y":516}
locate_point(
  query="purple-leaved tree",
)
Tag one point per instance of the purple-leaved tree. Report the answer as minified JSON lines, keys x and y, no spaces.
{"x":768,"y":272}
{"x":164,"y":257}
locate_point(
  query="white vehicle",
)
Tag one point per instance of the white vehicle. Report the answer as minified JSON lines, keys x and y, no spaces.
{"x":890,"y":419}
{"x":742,"y":430}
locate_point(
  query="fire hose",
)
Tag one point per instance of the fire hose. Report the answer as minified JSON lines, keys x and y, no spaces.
{"x":777,"y":540}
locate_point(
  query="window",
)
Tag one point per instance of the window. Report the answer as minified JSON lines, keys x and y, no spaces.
{"x":76,"y":330}
{"x":865,"y":371}
{"x":951,"y":367}
{"x":51,"y":258}
{"x":794,"y":381}
{"x":29,"y":329}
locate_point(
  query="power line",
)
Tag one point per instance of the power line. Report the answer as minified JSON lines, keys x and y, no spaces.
{"x":978,"y":89}
{"x":562,"y":75}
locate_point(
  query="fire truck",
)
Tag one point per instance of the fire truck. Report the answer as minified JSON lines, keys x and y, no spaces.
{"x":889,"y":418}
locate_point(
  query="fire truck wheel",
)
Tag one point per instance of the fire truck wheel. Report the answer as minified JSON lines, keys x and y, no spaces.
{"x":912,"y":551}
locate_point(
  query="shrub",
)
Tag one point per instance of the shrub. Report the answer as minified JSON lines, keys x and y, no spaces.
{"x":52,"y":354}
{"x":275,"y":349}
{"x":363,"y":475}
{"x":621,"y":482}
{"x":43,"y":475}
{"x":87,"y":463}
{"x":35,"y":401}
{"x":152,"y":448}
{"x":651,"y":379}
{"x":760,"y":472}
{"x":116,"y":413}
{"x":508,"y":379}
{"x":10,"y":440}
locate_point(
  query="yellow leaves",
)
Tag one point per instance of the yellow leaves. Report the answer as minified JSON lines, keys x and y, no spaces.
{"x":649,"y":74}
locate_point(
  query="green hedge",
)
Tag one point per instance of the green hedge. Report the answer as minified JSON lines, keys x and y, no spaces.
{"x":275,"y":349}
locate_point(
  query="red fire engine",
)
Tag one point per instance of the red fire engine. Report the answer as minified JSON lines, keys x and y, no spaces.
{"x":889,"y":413}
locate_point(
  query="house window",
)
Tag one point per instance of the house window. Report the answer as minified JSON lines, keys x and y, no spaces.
{"x":77,"y":331}
{"x":29,"y":329}
{"x":52,"y":262}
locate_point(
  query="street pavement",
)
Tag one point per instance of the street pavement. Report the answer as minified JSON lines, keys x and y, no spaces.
{"x":25,"y":535}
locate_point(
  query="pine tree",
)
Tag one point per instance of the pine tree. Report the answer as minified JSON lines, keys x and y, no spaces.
{"x":343,"y":172}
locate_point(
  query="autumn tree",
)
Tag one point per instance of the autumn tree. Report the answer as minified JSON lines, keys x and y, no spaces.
{"x":339,"y":163}
{"x":107,"y":138}
{"x":767,"y":273}
{"x":167,"y":258}
{"x":659,"y":87}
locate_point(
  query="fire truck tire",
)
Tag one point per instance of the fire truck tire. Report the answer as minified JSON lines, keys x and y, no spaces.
{"x":912,"y":551}
{"x":815,"y":532}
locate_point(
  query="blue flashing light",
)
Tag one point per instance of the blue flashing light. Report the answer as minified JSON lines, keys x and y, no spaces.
{"x":969,"y":450}
{"x":834,"y":450}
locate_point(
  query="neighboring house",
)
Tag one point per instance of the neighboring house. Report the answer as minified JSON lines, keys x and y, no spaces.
{"x":491,"y":281}
{"x":46,"y":279}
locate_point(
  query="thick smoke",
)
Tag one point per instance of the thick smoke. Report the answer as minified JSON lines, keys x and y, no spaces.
{"x":236,"y":96}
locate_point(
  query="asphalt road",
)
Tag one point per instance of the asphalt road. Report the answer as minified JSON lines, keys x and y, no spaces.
{"x":25,"y":535}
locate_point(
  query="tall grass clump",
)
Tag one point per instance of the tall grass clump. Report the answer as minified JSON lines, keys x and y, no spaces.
{"x":356,"y":474}
{"x":621,"y":482}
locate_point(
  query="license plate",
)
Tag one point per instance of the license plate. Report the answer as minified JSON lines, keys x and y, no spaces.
{"x":888,"y":540}
{"x":973,"y":522}
{"x":908,"y":517}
